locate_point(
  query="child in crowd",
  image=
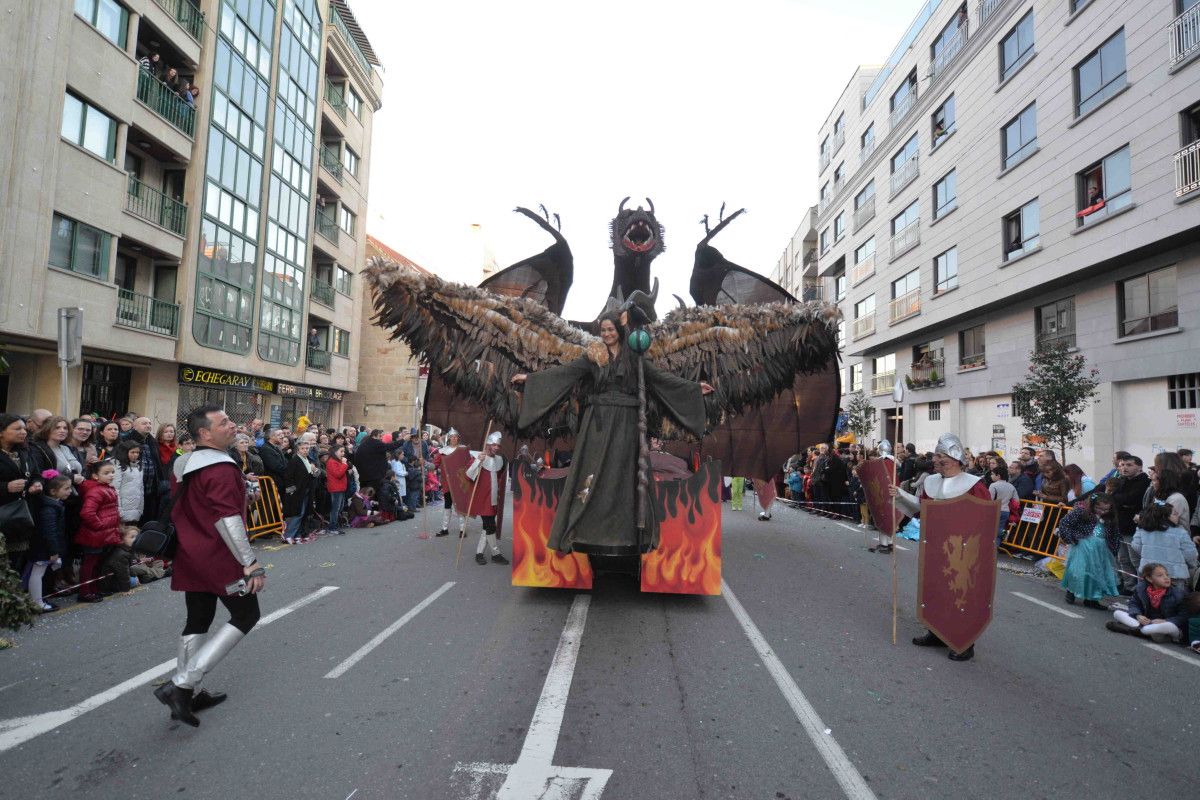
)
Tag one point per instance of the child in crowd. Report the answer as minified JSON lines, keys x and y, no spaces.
{"x":362,"y":509}
{"x":391,"y":503}
{"x":433,"y":485}
{"x":1158,"y":540}
{"x":1091,"y":533}
{"x":118,"y":563}
{"x":131,"y":494}
{"x":99,"y":525}
{"x":147,"y":569}
{"x":51,"y":537}
{"x":858,"y":512}
{"x":1155,"y":609}
{"x":400,"y":471}
{"x":414,"y":483}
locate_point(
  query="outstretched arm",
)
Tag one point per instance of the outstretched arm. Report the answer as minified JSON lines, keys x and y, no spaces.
{"x":544,"y":389}
{"x":681,"y":398}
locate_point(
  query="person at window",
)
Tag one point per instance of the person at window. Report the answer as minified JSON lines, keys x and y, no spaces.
{"x":314,"y":339}
{"x":152,"y":63}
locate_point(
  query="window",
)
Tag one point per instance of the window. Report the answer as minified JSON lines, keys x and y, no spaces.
{"x":905,"y":218}
{"x":346,"y":219}
{"x":945,"y":195}
{"x":902,"y":99}
{"x":1100,"y":75}
{"x":89,"y":127}
{"x":865,"y":196}
{"x":1016,"y":47}
{"x":1183,"y":391}
{"x":839,"y":174}
{"x":905,"y":154}
{"x":943,"y":121}
{"x":839,"y":125}
{"x":865,"y":308}
{"x":932,"y":352}
{"x":824,"y":241}
{"x":341,"y":342}
{"x":945,"y":271}
{"x":1056,"y":323}
{"x":839,"y":226}
{"x":824,"y":149}
{"x":79,"y":247}
{"x":856,"y":375}
{"x":1018,"y":139}
{"x":1020,"y":404}
{"x":1021,"y":229}
{"x":350,"y":160}
{"x":884,"y":365}
{"x":343,"y":280}
{"x":908,"y":283}
{"x":971,"y":351}
{"x":867,"y":141}
{"x":1190,"y":122}
{"x":839,"y":287}
{"x":935,"y":411}
{"x":864,"y":251}
{"x":353,"y":102}
{"x":1149,"y":302}
{"x":824,"y":193}
{"x":1078,"y":4}
{"x":106,"y":16}
{"x":1104,"y":187}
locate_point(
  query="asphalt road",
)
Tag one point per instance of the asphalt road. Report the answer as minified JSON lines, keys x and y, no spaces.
{"x":659,"y":697}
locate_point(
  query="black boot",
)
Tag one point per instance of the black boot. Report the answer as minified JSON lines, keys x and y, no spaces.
{"x":965,"y":655}
{"x":499,"y":559}
{"x":1070,"y":598}
{"x":928,"y":640}
{"x":179,"y":701}
{"x":1095,"y":604}
{"x":205,"y":699}
{"x":443,"y":532}
{"x":480,"y":559}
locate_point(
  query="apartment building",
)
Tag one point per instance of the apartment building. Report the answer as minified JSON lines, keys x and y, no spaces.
{"x":1020,"y":172}
{"x":174,"y":171}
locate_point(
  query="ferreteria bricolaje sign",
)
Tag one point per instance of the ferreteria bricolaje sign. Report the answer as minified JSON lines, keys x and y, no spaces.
{"x":315,"y":392}
{"x":200,"y":376}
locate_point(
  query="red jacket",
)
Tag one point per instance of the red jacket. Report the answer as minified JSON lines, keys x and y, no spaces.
{"x":99,"y":519}
{"x":212,"y":488}
{"x":335,"y":475}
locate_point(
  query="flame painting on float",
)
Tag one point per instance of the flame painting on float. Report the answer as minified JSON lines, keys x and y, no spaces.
{"x":688,"y":557}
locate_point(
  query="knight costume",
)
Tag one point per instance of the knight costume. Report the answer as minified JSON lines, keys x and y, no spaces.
{"x":439,"y":463}
{"x":487,"y":471}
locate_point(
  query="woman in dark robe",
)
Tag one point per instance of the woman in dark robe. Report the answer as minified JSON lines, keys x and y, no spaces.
{"x":597,"y":510}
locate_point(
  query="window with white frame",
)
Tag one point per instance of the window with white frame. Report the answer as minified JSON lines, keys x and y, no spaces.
{"x":903,"y":98}
{"x":864,"y":251}
{"x":945,"y":271}
{"x":909,"y":282}
{"x":945,"y":195}
{"x":867,"y":140}
{"x":343,"y":280}
{"x":865,"y":196}
{"x":346,"y":219}
{"x":1100,"y":75}
{"x":1021,"y":230}
{"x":108,"y":17}
{"x":350,"y":160}
{"x":1149,"y":302}
{"x":856,"y":378}
{"x":884,"y":365}
{"x":904,"y":155}
{"x":1017,"y":46}
{"x":824,"y":192}
{"x":865,"y":308}
{"x":839,"y":287}
{"x":824,"y":241}
{"x":353,"y":102}
{"x":908,"y":216}
{"x":89,"y":127}
{"x":839,"y":226}
{"x":839,"y":125}
{"x":839,"y":173}
{"x":1018,"y":138}
{"x":943,"y":121}
{"x":1104,"y":187}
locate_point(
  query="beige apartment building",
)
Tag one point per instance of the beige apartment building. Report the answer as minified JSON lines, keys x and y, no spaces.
{"x":1018,"y":172}
{"x":211,"y":235}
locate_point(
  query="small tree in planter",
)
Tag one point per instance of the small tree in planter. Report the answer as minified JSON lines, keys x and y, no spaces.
{"x":16,"y":609}
{"x":934,"y":378}
{"x":1060,"y":386}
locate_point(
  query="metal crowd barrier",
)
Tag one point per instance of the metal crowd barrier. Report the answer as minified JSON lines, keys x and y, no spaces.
{"x":1034,"y":531}
{"x":266,"y":512}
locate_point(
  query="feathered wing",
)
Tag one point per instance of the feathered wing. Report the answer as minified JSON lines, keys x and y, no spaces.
{"x":474,"y":342}
{"x":774,"y":367}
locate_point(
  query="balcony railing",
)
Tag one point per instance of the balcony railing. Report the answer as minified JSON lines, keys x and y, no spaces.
{"x":190,"y":18}
{"x":323,"y":292}
{"x":146,"y":313}
{"x":824,"y":159}
{"x":863,"y":326}
{"x":906,"y":239}
{"x":317,"y":359}
{"x":905,"y":305}
{"x":883,"y":382}
{"x":926,"y":374}
{"x":810,"y":257}
{"x":902,"y":108}
{"x":162,"y":100}
{"x":335,"y":96}
{"x":1185,"y":35}
{"x":331,"y":162}
{"x":359,"y":55}
{"x":905,"y":174}
{"x":865,"y":152}
{"x":864,"y":213}
{"x":950,"y":49}
{"x":812,"y":292}
{"x":987,"y":8}
{"x":327,"y":227}
{"x":154,"y":206}
{"x":862,"y":270}
{"x":839,"y":139}
{"x":1187,"y":166}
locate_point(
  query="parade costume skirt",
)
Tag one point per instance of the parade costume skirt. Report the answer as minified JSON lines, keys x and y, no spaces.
{"x":1090,"y":572}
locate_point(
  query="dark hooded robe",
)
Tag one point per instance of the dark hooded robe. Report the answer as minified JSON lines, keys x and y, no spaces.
{"x":597,"y":510}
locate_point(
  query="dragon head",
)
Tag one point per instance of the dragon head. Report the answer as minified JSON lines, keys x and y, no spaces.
{"x":636,"y":232}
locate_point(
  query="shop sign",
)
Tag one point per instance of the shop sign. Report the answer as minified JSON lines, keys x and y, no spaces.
{"x":202,"y":376}
{"x":315,"y":392}
{"x":1031,"y":514}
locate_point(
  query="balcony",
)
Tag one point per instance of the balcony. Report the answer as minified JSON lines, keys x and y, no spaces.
{"x":351,"y":42}
{"x":864,"y":213}
{"x":323,"y":292}
{"x":905,"y":306}
{"x":825,"y":159}
{"x":146,"y":313}
{"x":190,"y":18}
{"x":317,"y":359}
{"x":863,"y":326}
{"x":862,"y":270}
{"x":926,"y":374}
{"x":883,"y":382}
{"x":1185,"y":35}
{"x":865,"y":152}
{"x":154,"y":206}
{"x":811,"y":291}
{"x":331,"y":162}
{"x":160,"y":99}
{"x":336,"y":98}
{"x":839,"y":139}
{"x":905,"y":174}
{"x":906,"y":239}
{"x":987,"y":8}
{"x":952,"y":48}
{"x":327,"y":227}
{"x":810,"y":257}
{"x":1187,"y":165}
{"x":901,"y":109}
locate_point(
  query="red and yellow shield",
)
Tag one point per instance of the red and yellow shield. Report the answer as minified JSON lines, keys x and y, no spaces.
{"x":454,"y":477}
{"x":876,"y":475}
{"x":957,"y":568}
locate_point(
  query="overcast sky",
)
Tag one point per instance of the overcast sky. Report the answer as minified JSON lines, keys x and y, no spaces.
{"x":490,"y":105}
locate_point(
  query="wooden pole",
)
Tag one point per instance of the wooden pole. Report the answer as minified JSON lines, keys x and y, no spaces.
{"x":470,"y":502}
{"x":895,"y":579}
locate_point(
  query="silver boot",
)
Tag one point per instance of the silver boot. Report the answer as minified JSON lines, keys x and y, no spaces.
{"x":208,"y":656}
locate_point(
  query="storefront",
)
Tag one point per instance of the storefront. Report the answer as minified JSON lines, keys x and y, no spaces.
{"x":244,"y":397}
{"x":321,"y":406}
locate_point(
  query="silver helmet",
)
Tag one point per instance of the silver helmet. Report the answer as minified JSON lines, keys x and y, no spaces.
{"x":494,"y":438}
{"x":950,"y":445}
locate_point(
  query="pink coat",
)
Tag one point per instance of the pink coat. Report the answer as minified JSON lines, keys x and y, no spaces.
{"x":99,"y":518}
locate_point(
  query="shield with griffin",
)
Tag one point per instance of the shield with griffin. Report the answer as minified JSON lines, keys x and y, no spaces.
{"x":877,"y":474}
{"x":957,"y":568}
{"x":454,"y":473}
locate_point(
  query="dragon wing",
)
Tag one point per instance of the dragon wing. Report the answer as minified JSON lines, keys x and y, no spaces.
{"x":545,"y":277}
{"x":718,"y":281}
{"x":474,"y":342}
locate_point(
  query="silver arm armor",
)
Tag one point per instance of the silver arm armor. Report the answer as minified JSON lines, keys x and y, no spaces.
{"x":473,"y":470}
{"x":233,"y":533}
{"x":908,"y":503}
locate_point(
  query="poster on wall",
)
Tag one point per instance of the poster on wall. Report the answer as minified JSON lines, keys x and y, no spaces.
{"x":1185,"y":419}
{"x":999,"y":439}
{"x":1003,"y":410}
{"x":276,"y":415}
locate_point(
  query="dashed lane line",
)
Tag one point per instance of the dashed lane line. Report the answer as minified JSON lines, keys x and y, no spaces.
{"x":342,"y":668}
{"x":1166,"y":651}
{"x":849,"y":527}
{"x":1044,"y":604}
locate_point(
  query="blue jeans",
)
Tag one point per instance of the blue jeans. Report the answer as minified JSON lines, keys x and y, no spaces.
{"x":337,"y":502}
{"x":294,"y":526}
{"x":1003,"y":526}
{"x":414,"y":500}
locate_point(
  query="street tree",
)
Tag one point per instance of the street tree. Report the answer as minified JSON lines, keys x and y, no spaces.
{"x":860,"y":415}
{"x":1060,"y":386}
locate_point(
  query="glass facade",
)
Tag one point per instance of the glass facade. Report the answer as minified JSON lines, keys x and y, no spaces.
{"x":285,"y":262}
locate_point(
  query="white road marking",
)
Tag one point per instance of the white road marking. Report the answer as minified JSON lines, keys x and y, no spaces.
{"x":847,"y":776}
{"x":21,"y":729}
{"x":849,"y":527}
{"x":342,"y":668}
{"x":1166,"y":651}
{"x":1053,"y":608}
